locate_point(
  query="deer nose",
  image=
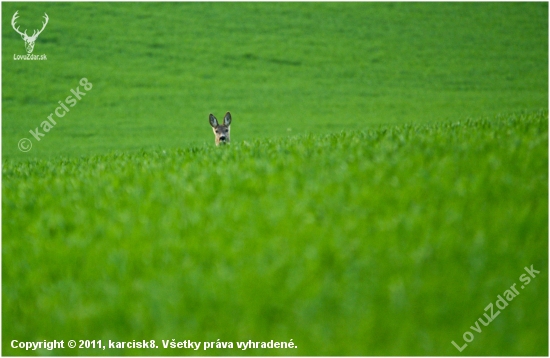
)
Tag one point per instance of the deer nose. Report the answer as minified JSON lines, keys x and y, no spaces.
{"x":222,"y":138}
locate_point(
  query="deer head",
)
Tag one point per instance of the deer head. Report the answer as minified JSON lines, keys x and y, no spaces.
{"x":29,"y":40}
{"x":221,"y":131}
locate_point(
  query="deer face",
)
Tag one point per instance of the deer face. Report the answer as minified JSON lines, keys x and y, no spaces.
{"x":221,"y":131}
{"x":29,"y":40}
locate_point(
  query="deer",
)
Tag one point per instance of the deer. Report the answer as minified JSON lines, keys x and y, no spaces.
{"x":221,"y":131}
{"x":29,"y":40}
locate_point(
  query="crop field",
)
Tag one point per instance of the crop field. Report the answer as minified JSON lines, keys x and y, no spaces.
{"x":385,"y":191}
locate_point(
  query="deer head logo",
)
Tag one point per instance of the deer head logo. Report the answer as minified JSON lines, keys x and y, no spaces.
{"x":29,"y":40}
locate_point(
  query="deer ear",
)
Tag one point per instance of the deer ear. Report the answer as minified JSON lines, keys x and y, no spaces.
{"x":227,"y":119}
{"x":213,"y":121}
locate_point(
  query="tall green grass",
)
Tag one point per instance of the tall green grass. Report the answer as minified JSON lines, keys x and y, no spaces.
{"x":382,"y":241}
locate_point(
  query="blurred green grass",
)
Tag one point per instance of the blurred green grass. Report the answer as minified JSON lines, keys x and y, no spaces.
{"x":158,"y":69}
{"x":388,"y":241}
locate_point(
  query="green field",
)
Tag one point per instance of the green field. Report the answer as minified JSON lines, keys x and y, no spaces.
{"x":387,"y":178}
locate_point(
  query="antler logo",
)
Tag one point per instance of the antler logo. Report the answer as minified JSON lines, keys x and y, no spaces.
{"x":29,"y":40}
